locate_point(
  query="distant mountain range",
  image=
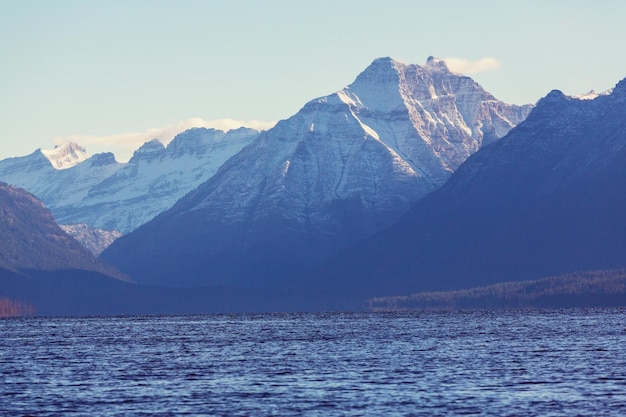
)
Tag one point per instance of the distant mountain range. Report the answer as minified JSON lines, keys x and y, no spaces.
{"x":102,"y":193}
{"x":345,"y":166}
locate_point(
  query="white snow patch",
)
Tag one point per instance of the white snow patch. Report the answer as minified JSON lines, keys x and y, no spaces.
{"x":592,"y":95}
{"x":286,"y":169}
{"x":369,"y":130}
{"x":65,"y":156}
{"x":345,"y":98}
{"x":352,"y":104}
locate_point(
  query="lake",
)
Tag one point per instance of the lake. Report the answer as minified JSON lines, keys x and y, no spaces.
{"x":488,"y":363}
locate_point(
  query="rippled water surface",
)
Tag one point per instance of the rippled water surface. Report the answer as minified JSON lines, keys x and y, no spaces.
{"x":536,"y":363}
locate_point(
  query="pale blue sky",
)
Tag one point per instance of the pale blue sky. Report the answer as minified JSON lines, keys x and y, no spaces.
{"x":107,"y":72}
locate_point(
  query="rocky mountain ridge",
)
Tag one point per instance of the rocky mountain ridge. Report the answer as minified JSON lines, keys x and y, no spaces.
{"x":105,"y":194}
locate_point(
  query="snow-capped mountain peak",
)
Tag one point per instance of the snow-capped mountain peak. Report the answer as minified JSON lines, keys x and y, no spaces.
{"x":451,"y":113}
{"x":65,"y":156}
{"x":343,"y":167}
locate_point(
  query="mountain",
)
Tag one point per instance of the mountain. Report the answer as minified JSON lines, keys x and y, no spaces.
{"x":32,"y":241}
{"x":345,"y":166}
{"x":545,"y":200}
{"x":106,"y":194}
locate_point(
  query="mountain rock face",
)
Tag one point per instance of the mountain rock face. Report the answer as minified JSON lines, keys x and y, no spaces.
{"x":106,"y":194}
{"x":545,"y":200}
{"x":31,"y":239}
{"x":94,"y":240}
{"x":345,"y":166}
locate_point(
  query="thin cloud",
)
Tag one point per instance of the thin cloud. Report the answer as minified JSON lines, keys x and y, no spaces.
{"x":464,"y":66}
{"x":124,"y":144}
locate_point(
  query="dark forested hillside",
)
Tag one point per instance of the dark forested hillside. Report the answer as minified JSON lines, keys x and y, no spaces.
{"x":32,"y":240}
{"x":581,"y":289}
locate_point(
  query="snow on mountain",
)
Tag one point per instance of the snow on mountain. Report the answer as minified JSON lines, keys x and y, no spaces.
{"x":34,"y":172}
{"x":94,"y":240}
{"x":57,"y":188}
{"x":449,"y":116}
{"x":109,"y":195}
{"x":66,"y":156}
{"x":155,"y":178}
{"x":343,"y":167}
{"x":27,"y":172}
{"x":592,"y":95}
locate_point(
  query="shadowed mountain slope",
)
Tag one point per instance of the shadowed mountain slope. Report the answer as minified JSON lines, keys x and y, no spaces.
{"x":547,"y":199}
{"x":31,"y":239}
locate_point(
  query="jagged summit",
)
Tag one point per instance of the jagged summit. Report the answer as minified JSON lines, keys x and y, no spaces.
{"x":381,"y":63}
{"x":200,"y":140}
{"x":452,"y":113}
{"x":433,"y":63}
{"x":102,"y":159}
{"x":148,"y":151}
{"x":110,"y":195}
{"x":155,"y":178}
{"x":196,"y":141}
{"x":554,"y":96}
{"x":65,"y":156}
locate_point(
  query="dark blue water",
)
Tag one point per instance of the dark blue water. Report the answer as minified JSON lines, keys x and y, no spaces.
{"x":533,"y":363}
